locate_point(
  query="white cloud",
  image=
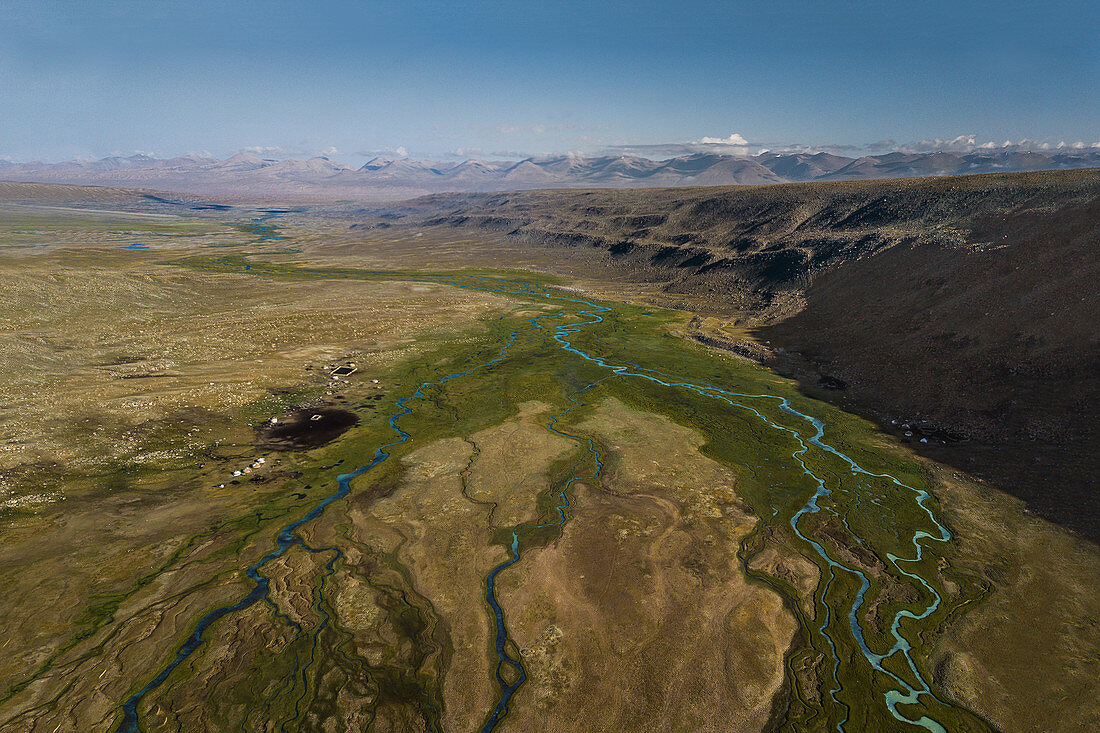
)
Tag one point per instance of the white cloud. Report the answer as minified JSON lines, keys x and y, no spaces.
{"x":268,"y":151}
{"x":734,"y":144}
{"x":401,"y":151}
{"x":733,"y":139}
{"x":517,"y":154}
{"x":970,"y":144}
{"x":958,"y":144}
{"x":295,"y":150}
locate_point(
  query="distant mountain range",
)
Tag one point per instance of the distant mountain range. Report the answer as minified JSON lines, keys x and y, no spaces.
{"x":383,"y":178}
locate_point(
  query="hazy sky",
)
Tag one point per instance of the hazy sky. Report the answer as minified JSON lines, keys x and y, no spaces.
{"x":479,"y":78}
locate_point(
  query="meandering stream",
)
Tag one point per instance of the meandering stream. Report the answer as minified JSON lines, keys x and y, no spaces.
{"x":561,"y":332}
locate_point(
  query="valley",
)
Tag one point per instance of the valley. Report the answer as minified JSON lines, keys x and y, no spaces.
{"x":547,"y":495}
{"x":959,"y":306}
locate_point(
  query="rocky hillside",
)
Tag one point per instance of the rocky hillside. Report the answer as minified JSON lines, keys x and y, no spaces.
{"x":961,"y":312}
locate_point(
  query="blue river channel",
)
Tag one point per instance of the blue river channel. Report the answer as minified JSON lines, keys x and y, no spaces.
{"x":905,"y":693}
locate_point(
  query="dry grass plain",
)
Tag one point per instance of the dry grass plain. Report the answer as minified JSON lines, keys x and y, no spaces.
{"x":128,"y":392}
{"x":640,"y":598}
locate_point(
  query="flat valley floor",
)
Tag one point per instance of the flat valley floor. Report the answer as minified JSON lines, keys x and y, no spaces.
{"x":523,"y":501}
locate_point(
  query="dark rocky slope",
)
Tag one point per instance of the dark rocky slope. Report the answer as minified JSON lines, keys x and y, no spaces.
{"x":990,"y":353}
{"x":966,"y":308}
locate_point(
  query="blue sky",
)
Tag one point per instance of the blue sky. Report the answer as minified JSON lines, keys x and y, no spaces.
{"x":436,"y":79}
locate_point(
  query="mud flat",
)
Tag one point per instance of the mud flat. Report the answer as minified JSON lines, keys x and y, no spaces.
{"x":306,"y":428}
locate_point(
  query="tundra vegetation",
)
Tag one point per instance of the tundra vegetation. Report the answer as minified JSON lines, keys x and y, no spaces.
{"x":571,"y":517}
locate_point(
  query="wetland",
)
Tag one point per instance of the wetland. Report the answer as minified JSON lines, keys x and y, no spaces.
{"x":531,"y":495}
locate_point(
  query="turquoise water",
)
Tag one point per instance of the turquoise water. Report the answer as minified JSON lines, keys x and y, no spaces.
{"x":905,"y":692}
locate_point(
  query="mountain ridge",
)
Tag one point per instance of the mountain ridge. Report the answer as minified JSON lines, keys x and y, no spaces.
{"x":402,"y":178}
